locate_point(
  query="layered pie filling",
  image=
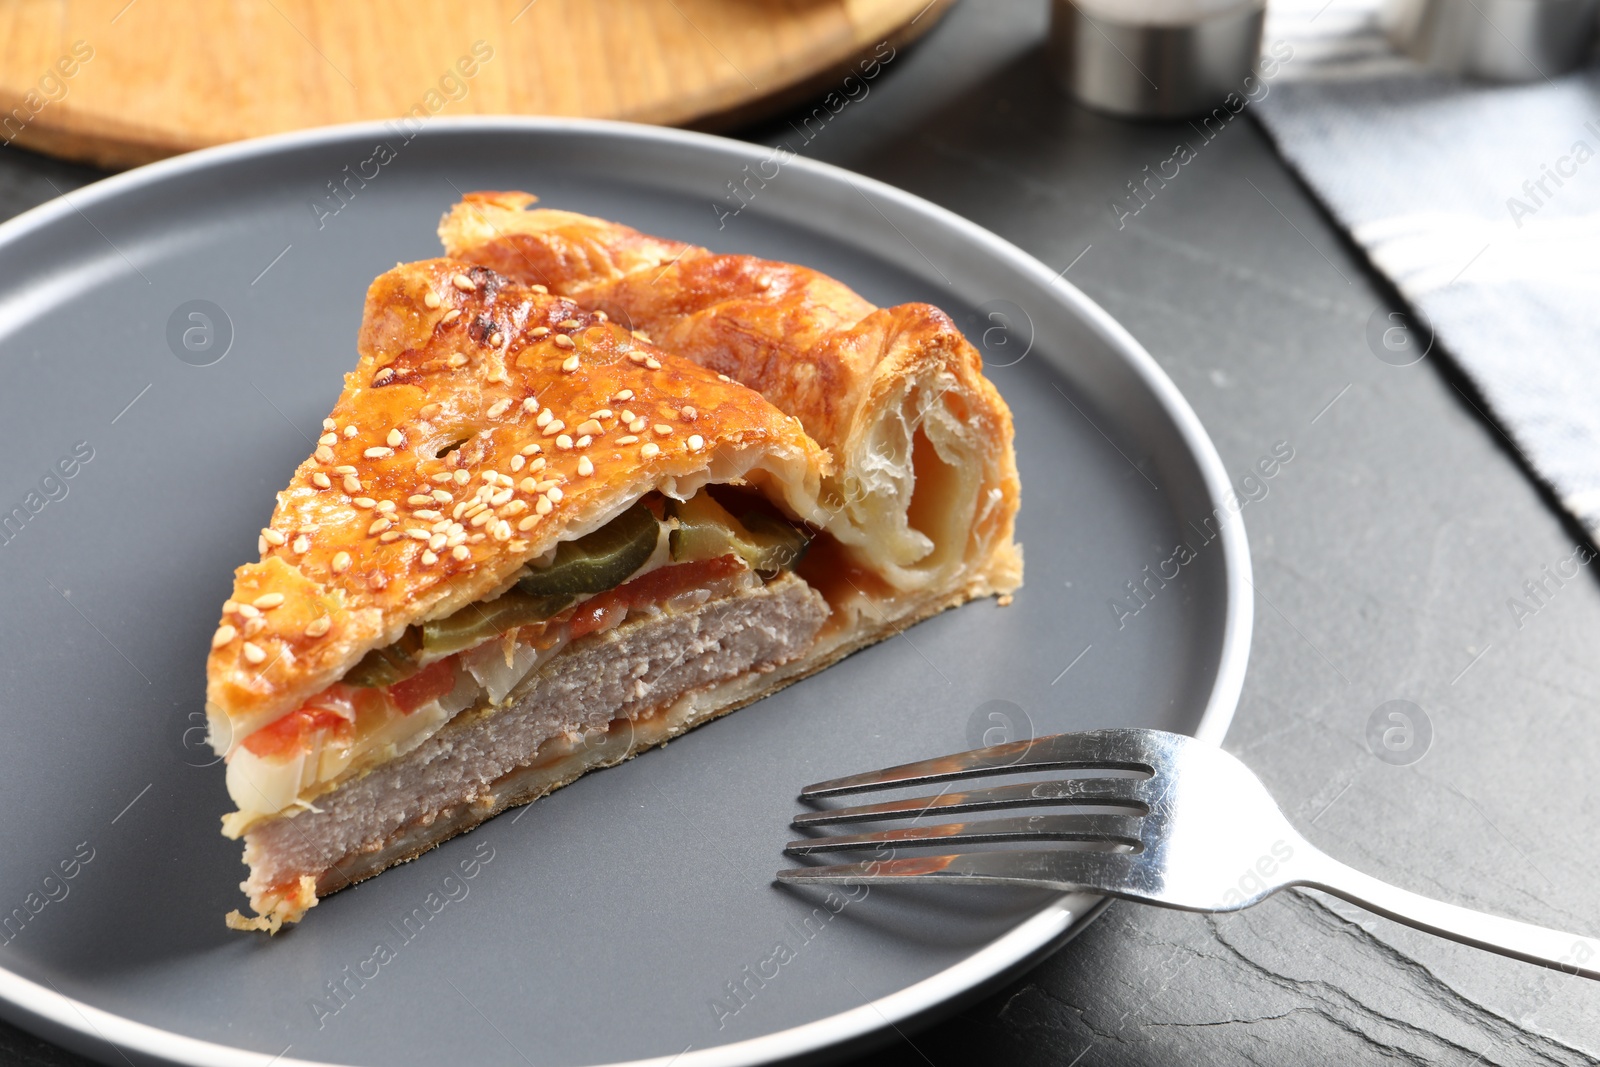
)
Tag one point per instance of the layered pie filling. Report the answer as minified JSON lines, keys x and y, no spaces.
{"x":660,"y":559}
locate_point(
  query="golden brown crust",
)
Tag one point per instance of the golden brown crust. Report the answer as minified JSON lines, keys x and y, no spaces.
{"x":872,"y":385}
{"x":458,"y":367}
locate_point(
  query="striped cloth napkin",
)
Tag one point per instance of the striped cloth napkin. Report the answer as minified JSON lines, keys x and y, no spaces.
{"x":1480,"y":202}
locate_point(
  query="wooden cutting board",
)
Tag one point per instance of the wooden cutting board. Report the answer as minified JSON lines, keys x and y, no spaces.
{"x":118,"y":83}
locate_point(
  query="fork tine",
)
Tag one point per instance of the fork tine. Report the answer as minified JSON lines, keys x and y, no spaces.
{"x":1112,"y":829}
{"x":1120,"y":874}
{"x":1097,"y":792}
{"x":1117,"y":749}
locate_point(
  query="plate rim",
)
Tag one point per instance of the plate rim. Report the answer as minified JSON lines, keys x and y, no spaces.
{"x":84,"y":1027}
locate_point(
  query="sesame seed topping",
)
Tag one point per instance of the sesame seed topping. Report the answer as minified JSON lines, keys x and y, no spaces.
{"x":389,"y":536}
{"x":364,"y":502}
{"x":585,"y":466}
{"x":273,"y":537}
{"x":436,"y":542}
{"x":383,"y":377}
{"x":530,"y":405}
{"x":379,"y":525}
{"x":301,"y":546}
{"x":345,"y":468}
{"x":253,"y":626}
{"x":626,"y":439}
{"x":585,"y":441}
{"x":351,"y":431}
{"x":427,"y":514}
{"x":527,"y":523}
{"x":591,"y":426}
{"x":321,"y":481}
{"x":600,"y":316}
{"x":477,"y":538}
{"x":457,"y":359}
{"x":328,"y":424}
{"x":461,"y":552}
{"x":517,"y":463}
{"x":418,"y":533}
{"x":462,"y":282}
{"x":431,"y":299}
{"x":323,"y":454}
{"x":537,"y":464}
{"x":352,"y":484}
{"x":439,"y":479}
{"x":501,"y":530}
{"x":637,"y":425}
{"x":543,"y":507}
{"x":497,"y":339}
{"x":663,"y":429}
{"x":628,"y":415}
{"x":429,"y":558}
{"x":544,"y":419}
{"x":378,"y":452}
{"x":502,"y":497}
{"x":498,"y":408}
{"x":564,"y":443}
{"x":570,"y":363}
{"x":419,"y":500}
{"x":224,"y":634}
{"x":723,"y":378}
{"x":563,"y":341}
{"x":649,"y":450}
{"x":696,"y":442}
{"x":253,"y":652}
{"x":626,"y":394}
{"x":652,"y":364}
{"x":528,"y":485}
{"x":539,"y":331}
{"x":318,"y":627}
{"x":341,"y":562}
{"x":395,"y":439}
{"x":636,"y":357}
{"x":386,"y":506}
{"x":539,"y":288}
{"x":515,"y":507}
{"x":569,"y":324}
{"x":481,"y":517}
{"x":462,"y":477}
{"x":602,"y":413}
{"x":328,"y":439}
{"x":689,"y":413}
{"x":554,"y":428}
{"x":450,"y":316}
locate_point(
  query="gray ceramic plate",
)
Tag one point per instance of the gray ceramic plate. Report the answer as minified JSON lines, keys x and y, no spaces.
{"x":633,"y":914}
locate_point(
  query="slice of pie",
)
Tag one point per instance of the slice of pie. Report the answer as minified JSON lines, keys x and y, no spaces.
{"x":529,"y":543}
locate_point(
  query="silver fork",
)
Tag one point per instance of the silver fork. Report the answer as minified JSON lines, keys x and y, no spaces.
{"x":1200,"y":833}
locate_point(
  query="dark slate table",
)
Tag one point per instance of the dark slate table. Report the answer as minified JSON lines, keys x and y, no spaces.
{"x":1386,"y":558}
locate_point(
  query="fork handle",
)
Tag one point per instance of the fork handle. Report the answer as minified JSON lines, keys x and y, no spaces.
{"x":1569,"y":953}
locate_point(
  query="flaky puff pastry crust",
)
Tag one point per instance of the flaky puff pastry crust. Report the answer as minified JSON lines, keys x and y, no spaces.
{"x":925,"y":491}
{"x":462,"y":370}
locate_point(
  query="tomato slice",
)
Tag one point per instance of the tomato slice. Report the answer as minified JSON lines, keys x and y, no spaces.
{"x":608,"y":609}
{"x":430,"y":683}
{"x":286,"y":736}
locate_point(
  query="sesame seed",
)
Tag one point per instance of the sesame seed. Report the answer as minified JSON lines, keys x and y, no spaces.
{"x":585,"y":466}
{"x":528,"y":522}
{"x":461,"y":552}
{"x":569,"y":324}
{"x":537,"y":464}
{"x":543,"y":507}
{"x":427,"y":514}
{"x":517,"y":463}
{"x":696,"y":442}
{"x":650,"y":450}
{"x":450,"y":316}
{"x":389,"y":536}
{"x":386,"y":506}
{"x":601,"y":316}
{"x":689,"y":413}
{"x":345,"y":468}
{"x":480,"y":518}
{"x":418,"y":533}
{"x":502,"y":497}
{"x":626,"y":394}
{"x":379,"y":525}
{"x":352,"y":484}
{"x":442,"y":526}
{"x":459,"y":510}
{"x":554,"y":427}
{"x":431,"y":299}
{"x":321,"y":481}
{"x":301,"y":546}
{"x":515,"y":507}
{"x":570,"y":363}
{"x":436,"y":542}
{"x":224,"y":634}
{"x":253,"y":652}
{"x":273,"y":537}
{"x":723,"y":378}
{"x":498,"y":408}
{"x":501,"y":531}
{"x":253,"y":626}
{"x":429,"y":558}
{"x":564,"y":443}
{"x":602,"y":413}
{"x":457,"y":537}
{"x":528,"y":485}
{"x":530,"y":405}
{"x":328,"y":439}
{"x":442,"y":496}
{"x":497,"y":339}
{"x":477,"y":538}
{"x":554,"y":493}
{"x":378,"y":452}
{"x":229,"y":605}
{"x":364,"y":502}
{"x":628,"y":415}
{"x":585,"y":441}
{"x":539,"y":331}
{"x":457,"y":359}
{"x":591,"y":426}
{"x":395,"y":439}
{"x":626,"y":439}
{"x":637,"y":425}
{"x":462,"y":282}
{"x":428,"y":411}
{"x":248,"y":611}
{"x":539,"y":288}
{"x":544,"y":485}
{"x":318,"y":627}
{"x":462,"y":477}
{"x":545,"y":418}
{"x":323,"y":454}
{"x":563,"y":341}
{"x":636,"y":357}
{"x":341,"y":562}
{"x":327,"y":424}
{"x":383,"y":377}
{"x":351,"y":431}
{"x":418,"y":500}
{"x":652,"y":364}
{"x":663,"y":429}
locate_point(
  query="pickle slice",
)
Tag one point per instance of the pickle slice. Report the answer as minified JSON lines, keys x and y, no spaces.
{"x":388,"y":665}
{"x":476,"y":623}
{"x":707,"y":530}
{"x":598,"y":561}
